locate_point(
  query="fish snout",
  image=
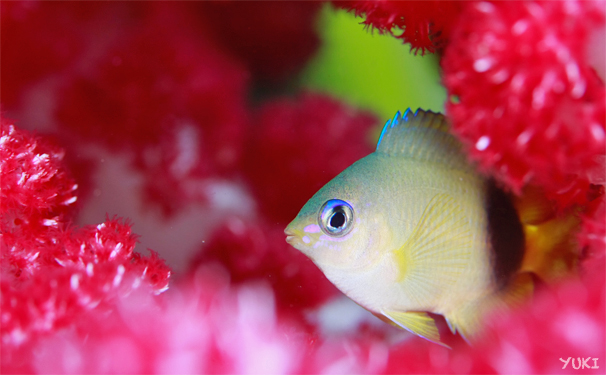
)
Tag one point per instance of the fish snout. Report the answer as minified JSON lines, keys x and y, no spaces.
{"x":291,"y":235}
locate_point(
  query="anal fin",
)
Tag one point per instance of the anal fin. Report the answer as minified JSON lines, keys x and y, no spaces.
{"x":419,"y":323}
{"x":466,"y":321}
{"x":451,"y":326}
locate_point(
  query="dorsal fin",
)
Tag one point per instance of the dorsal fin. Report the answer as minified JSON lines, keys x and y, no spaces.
{"x":422,"y":135}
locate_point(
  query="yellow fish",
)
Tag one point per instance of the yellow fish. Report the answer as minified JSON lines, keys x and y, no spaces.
{"x":412,"y":228}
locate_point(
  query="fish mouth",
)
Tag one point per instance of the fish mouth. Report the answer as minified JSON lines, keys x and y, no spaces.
{"x":290,"y":236}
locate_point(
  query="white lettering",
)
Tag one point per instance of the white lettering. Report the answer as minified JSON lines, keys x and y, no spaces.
{"x":583,"y":363}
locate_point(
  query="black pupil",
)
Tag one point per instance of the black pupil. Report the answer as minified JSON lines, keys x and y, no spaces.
{"x":337,"y":220}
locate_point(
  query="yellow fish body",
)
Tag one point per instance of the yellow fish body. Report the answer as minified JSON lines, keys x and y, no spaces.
{"x":407,"y":230}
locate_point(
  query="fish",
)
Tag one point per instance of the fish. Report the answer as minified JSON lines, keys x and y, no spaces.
{"x":413,"y":228}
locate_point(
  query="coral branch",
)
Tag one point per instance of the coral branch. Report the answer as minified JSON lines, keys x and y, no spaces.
{"x":524,"y":98}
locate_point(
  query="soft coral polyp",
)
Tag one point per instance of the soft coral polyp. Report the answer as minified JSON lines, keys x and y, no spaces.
{"x":425,"y":25}
{"x":525,"y":100}
{"x":51,"y":272}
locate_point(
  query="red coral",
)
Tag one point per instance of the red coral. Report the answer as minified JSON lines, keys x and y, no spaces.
{"x":426,"y":25}
{"x":160,"y":80}
{"x":258,"y":252}
{"x":275,"y":39}
{"x":298,"y":146}
{"x":51,"y":274}
{"x":592,"y":238}
{"x":71,"y":273}
{"x":528,"y":105}
{"x":36,"y":189}
{"x":37,"y":39}
{"x":151,"y":80}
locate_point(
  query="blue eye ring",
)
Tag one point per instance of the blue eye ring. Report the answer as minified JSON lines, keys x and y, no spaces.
{"x":336,"y":218}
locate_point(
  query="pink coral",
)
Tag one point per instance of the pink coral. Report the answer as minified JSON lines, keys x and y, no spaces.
{"x":576,"y":324}
{"x":203,"y":326}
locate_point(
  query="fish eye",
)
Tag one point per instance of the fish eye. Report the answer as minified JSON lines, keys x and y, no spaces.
{"x":336,"y":218}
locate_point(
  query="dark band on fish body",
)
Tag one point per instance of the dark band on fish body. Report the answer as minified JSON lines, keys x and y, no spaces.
{"x":505,"y":233}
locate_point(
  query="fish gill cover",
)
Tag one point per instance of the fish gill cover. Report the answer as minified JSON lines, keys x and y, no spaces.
{"x":208,"y":125}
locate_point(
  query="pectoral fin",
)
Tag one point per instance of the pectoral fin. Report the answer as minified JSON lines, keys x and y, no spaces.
{"x":419,"y":323}
{"x":437,"y":252}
